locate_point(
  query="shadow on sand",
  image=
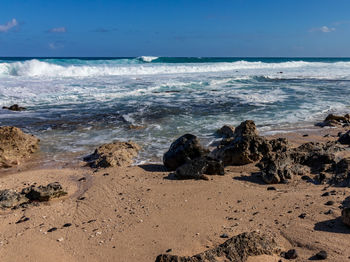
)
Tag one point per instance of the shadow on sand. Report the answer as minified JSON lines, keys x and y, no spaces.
{"x":252,"y":178}
{"x":332,"y":226}
{"x":153,"y":168}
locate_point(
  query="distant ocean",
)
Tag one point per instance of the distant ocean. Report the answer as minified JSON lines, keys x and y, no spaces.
{"x":75,"y":104}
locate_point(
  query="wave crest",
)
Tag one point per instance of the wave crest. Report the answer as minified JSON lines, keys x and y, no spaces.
{"x":37,"y":68}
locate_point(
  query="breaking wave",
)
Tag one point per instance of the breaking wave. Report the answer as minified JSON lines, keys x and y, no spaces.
{"x":38,"y":68}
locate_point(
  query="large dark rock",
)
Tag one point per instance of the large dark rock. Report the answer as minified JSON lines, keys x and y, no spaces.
{"x":186,"y":147}
{"x":113,"y":154}
{"x":197,"y":168}
{"x":237,"y":249}
{"x":335,"y":120}
{"x":44,"y":193}
{"x":345,"y":138}
{"x":12,"y":199}
{"x":242,"y":150}
{"x":14,"y":107}
{"x":283,"y":162}
{"x":15,"y":146}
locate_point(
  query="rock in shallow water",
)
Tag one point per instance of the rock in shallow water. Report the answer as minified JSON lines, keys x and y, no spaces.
{"x":186,"y":147}
{"x":237,"y":248}
{"x":14,"y":107}
{"x":113,"y":154}
{"x":15,"y":146}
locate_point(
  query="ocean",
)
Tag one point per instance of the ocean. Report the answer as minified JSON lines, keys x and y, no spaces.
{"x":75,"y":104}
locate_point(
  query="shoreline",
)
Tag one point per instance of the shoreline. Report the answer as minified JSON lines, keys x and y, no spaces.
{"x":138,"y":212}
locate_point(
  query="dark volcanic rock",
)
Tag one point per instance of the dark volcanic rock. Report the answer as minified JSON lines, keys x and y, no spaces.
{"x":197,"y":168}
{"x":246,"y":128}
{"x":237,"y":249}
{"x":290,"y":254}
{"x":44,"y":193}
{"x":113,"y":154}
{"x":10,"y":198}
{"x":345,"y":138}
{"x":226,"y":131}
{"x":15,"y":146}
{"x":321,"y":255}
{"x":14,"y":107}
{"x":186,"y":147}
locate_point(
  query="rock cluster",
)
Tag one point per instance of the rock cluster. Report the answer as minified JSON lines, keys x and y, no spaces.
{"x":11,"y":198}
{"x":237,"y":248}
{"x":14,"y":107}
{"x":15,"y":146}
{"x":113,"y":154}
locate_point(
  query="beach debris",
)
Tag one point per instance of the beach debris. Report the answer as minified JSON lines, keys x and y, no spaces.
{"x":14,"y":107}
{"x":335,"y":120}
{"x":186,"y":147}
{"x":12,"y":199}
{"x":237,"y":248}
{"x":226,"y":131}
{"x":113,"y":154}
{"x":15,"y":146}
{"x":197,"y":168}
{"x":345,"y":138}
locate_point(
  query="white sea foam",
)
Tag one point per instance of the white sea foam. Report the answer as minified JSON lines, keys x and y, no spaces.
{"x":294,"y":69}
{"x":147,"y":58}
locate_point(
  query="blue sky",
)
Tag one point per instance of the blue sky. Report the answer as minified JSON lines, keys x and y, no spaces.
{"x":175,"y":28}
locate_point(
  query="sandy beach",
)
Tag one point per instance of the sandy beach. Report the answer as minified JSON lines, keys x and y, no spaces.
{"x":136,"y":213}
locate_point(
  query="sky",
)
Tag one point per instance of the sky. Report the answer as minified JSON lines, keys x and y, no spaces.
{"x":205,"y":28}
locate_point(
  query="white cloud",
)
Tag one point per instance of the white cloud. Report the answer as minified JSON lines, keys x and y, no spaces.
{"x":56,"y":45}
{"x":58,"y":30}
{"x":8,"y":25}
{"x":323,"y":29}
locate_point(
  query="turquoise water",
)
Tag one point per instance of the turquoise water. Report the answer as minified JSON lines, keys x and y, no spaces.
{"x":75,"y":104}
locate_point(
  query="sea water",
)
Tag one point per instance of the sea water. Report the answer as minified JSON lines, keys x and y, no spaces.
{"x":76,"y":104}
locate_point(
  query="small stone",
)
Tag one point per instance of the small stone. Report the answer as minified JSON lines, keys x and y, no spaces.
{"x":303,"y":215}
{"x":321,"y":255}
{"x":168,"y":250}
{"x":306,"y":178}
{"x":224,"y":235}
{"x":291,"y":254}
{"x":23,"y":219}
{"x":67,"y":225}
{"x":82,"y":179}
{"x":329,"y":203}
{"x":329,"y":212}
{"x":60,"y":239}
{"x":271,"y":188}
{"x":325,"y":194}
{"x":52,"y":229}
